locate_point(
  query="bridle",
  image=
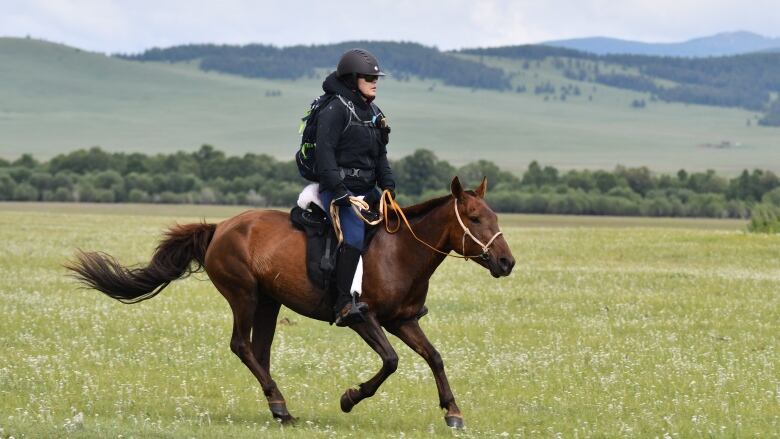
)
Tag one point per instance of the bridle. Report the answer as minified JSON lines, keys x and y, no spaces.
{"x":467,"y":232}
{"x":387,"y":203}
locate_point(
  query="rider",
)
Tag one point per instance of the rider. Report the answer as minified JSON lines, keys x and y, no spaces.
{"x":351,"y":158}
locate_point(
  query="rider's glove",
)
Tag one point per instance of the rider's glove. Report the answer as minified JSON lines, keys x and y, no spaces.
{"x":342,"y":201}
{"x":372,"y":197}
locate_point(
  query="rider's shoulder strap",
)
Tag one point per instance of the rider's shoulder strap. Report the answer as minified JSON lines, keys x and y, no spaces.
{"x":354,"y":119}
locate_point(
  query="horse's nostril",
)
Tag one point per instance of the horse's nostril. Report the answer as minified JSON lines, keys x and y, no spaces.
{"x":506,"y":264}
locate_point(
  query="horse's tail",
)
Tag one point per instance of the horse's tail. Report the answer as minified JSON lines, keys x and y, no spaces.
{"x":172,"y":260}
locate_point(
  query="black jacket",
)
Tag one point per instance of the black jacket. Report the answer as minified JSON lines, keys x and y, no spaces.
{"x":341,"y":144}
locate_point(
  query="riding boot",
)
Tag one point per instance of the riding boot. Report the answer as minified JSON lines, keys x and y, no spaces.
{"x":346,"y":309}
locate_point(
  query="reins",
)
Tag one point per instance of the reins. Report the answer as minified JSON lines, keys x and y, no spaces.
{"x":386,"y":203}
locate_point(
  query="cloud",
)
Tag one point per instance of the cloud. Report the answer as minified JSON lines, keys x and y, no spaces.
{"x":132,"y":26}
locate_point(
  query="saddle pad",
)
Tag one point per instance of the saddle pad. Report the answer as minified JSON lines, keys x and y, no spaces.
{"x":321,"y":243}
{"x":310,"y":195}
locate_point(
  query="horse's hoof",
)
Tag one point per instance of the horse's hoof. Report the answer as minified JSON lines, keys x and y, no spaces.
{"x":454,"y":421}
{"x":348,"y":400}
{"x":279,"y":411}
{"x":287,"y":419}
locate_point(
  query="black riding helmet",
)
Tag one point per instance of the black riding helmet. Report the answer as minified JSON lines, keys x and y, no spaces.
{"x":358,"y":62}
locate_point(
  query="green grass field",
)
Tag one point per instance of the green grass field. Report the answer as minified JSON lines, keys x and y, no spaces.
{"x":605,"y":329}
{"x":55,"y":99}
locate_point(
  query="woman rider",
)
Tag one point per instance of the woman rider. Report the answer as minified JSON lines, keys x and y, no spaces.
{"x":351,"y":157}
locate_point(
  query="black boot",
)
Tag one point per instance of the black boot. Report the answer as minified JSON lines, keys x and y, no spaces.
{"x":346,"y":309}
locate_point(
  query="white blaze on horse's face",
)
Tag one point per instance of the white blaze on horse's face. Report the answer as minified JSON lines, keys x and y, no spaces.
{"x":482,"y":239}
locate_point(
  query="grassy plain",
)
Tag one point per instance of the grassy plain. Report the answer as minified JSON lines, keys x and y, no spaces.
{"x":600,"y":332}
{"x":55,"y":99}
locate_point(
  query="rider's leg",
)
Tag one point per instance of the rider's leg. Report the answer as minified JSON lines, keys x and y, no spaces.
{"x":351,"y":248}
{"x":349,"y":257}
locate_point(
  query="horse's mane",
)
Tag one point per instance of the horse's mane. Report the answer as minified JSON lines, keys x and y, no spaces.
{"x":426,"y":206}
{"x":419,"y":209}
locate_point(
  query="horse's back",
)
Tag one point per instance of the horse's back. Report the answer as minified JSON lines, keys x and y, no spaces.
{"x":257,"y":236}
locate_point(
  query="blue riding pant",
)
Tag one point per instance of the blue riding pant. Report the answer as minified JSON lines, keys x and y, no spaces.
{"x":354,"y":228}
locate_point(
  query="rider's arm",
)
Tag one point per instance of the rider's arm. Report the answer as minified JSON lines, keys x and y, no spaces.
{"x":330,"y":124}
{"x":384,"y":173}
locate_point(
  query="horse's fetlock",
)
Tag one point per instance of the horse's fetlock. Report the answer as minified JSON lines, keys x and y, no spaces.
{"x":270,"y":389}
{"x":235,"y":346}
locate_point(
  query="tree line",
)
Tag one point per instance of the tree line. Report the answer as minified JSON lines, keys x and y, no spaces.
{"x":266,"y":61}
{"x":748,"y":81}
{"x":209,"y":176}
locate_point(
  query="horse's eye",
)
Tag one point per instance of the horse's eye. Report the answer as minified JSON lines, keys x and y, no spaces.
{"x":474,"y":219}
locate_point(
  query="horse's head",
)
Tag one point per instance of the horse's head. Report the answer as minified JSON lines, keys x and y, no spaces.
{"x":474,"y":231}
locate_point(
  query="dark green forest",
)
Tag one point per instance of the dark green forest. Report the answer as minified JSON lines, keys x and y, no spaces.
{"x":749,"y":81}
{"x":746,"y":81}
{"x":208,"y":176}
{"x":265,"y":61}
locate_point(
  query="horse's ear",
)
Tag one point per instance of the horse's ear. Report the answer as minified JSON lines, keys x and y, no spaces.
{"x":456,"y":188}
{"x":482,"y":188}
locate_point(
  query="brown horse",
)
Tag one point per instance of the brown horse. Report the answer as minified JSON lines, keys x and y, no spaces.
{"x":255,"y":260}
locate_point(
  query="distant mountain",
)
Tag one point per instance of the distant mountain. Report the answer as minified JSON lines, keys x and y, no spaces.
{"x":728,"y":43}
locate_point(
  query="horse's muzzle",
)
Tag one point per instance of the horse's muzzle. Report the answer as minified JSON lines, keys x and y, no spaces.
{"x":501,"y":266}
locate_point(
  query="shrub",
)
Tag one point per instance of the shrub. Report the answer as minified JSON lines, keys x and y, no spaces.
{"x":25,"y":192}
{"x":207,"y":195}
{"x":765,"y":218}
{"x":86,"y":193}
{"x":772,"y":197}
{"x":105,"y":196}
{"x":137,"y":196}
{"x":7,"y":187}
{"x":62,"y":194}
{"x":169,"y":197}
{"x":736,"y":209}
{"x":505,"y":201}
{"x":656,"y":207}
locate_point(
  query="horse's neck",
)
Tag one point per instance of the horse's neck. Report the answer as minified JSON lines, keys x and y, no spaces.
{"x":430,"y":227}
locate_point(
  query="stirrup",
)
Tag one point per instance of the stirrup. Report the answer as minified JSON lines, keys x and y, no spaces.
{"x":355,"y":313}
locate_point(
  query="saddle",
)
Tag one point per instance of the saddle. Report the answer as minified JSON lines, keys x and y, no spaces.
{"x":321,"y":243}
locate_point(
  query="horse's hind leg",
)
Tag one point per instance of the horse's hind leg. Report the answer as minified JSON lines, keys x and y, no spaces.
{"x":373,"y":334}
{"x":409,"y":332}
{"x":245,"y":301}
{"x":263,"y":329}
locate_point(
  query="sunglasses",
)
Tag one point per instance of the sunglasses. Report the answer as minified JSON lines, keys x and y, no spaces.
{"x":369,"y":78}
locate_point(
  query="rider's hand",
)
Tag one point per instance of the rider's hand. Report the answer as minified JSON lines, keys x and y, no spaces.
{"x":372,"y":197}
{"x":392,"y":192}
{"x":342,"y":201}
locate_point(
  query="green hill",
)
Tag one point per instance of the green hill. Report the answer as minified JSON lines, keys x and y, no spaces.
{"x":55,"y":98}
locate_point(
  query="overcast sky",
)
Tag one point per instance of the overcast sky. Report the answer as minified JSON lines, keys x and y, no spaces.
{"x":132,"y":26}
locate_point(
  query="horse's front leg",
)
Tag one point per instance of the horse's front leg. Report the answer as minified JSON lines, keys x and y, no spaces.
{"x":409,"y":332}
{"x":373,"y":334}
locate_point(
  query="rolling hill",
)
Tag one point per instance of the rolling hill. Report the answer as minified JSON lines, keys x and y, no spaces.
{"x":726,"y":43}
{"x":55,"y":98}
